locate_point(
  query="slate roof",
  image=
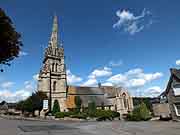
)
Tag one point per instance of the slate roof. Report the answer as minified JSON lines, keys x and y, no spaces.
{"x":108,"y":90}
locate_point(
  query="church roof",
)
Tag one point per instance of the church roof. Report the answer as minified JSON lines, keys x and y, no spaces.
{"x":83,"y":90}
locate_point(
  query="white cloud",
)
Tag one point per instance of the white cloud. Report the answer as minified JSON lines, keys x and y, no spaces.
{"x":134,"y":78}
{"x":72,"y":79}
{"x":97,"y":73}
{"x":139,"y":82}
{"x":115,"y":63}
{"x":7,"y":84}
{"x":107,"y":84}
{"x":90,"y":82}
{"x":153,"y":91}
{"x":131,"y":23}
{"x":36,"y":77}
{"x":105,"y":72}
{"x":15,"y":96}
{"x":21,"y":53}
{"x":178,"y":62}
{"x":20,"y":94}
{"x":117,"y":79}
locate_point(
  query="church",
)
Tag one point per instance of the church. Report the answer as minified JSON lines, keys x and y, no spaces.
{"x":53,"y":81}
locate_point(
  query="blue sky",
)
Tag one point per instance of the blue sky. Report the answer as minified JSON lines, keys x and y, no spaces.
{"x":127,"y":43}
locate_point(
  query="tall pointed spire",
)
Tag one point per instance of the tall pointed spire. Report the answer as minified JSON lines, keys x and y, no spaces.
{"x":54,"y":35}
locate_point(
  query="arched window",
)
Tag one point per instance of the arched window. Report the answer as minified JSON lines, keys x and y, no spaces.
{"x":125,"y":100}
{"x":54,"y":85}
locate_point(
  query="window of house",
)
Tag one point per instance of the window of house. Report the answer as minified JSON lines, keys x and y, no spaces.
{"x":54,"y":85}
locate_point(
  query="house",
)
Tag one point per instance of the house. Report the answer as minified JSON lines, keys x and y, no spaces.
{"x":170,"y":98}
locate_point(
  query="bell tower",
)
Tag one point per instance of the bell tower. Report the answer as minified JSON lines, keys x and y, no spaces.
{"x":52,"y":76}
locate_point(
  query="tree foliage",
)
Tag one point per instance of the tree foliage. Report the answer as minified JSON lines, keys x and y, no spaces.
{"x":56,"y":107}
{"x":140,"y":113}
{"x":32,"y":103}
{"x":91,"y":108}
{"x":10,"y":43}
{"x":78,"y":103}
{"x":37,"y":99}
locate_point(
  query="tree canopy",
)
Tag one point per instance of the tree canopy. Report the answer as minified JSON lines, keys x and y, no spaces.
{"x":56,"y":107}
{"x":78,"y":103}
{"x":32,"y":103}
{"x":10,"y":43}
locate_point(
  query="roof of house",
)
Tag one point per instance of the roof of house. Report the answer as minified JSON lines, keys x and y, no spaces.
{"x":175,"y":74}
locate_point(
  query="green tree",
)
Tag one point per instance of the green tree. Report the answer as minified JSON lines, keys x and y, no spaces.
{"x":91,"y":108}
{"x":32,"y":103}
{"x":19,"y":106}
{"x":37,"y":100}
{"x":56,"y":107}
{"x":10,"y":43}
{"x":140,"y":113}
{"x":28,"y":105}
{"x":78,"y":103}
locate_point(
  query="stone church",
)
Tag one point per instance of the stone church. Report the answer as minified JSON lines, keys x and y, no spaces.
{"x":53,"y":81}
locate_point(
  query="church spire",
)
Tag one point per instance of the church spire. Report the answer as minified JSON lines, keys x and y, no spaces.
{"x":54,"y":35}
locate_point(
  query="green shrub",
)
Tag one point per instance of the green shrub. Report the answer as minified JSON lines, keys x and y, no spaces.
{"x":106,"y":115}
{"x":78,"y":103}
{"x":140,"y":113}
{"x":55,"y":107}
{"x":91,"y":109}
{"x":115,"y":114}
{"x":59,"y":115}
{"x":64,"y":114}
{"x":79,"y":116}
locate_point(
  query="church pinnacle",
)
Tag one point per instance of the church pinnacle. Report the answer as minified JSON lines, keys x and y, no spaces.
{"x":54,"y":36}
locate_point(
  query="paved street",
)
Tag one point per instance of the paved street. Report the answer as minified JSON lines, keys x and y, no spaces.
{"x":18,"y":127}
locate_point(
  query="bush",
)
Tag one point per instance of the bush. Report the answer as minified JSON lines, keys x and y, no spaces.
{"x":59,"y":115}
{"x":64,"y":114}
{"x":78,"y":103}
{"x":115,"y":114}
{"x":140,"y":113}
{"x":80,"y":116}
{"x":91,"y":109}
{"x":106,"y":115}
{"x":55,"y":107}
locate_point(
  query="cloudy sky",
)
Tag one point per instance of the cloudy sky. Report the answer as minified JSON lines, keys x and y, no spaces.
{"x":116,"y":42}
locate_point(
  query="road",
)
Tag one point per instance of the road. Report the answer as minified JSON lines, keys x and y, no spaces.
{"x":19,"y":127}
